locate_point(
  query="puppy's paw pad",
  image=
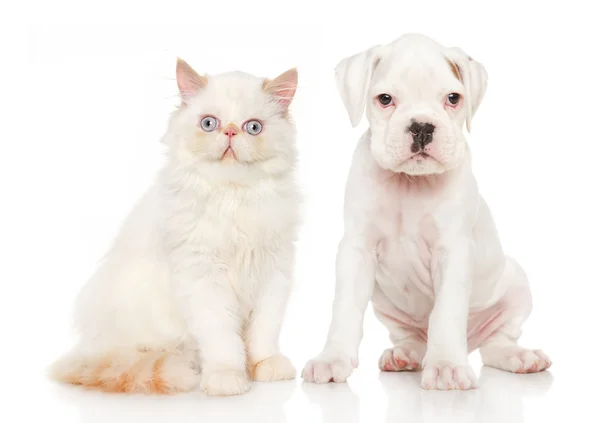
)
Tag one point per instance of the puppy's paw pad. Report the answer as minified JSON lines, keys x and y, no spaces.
{"x":326,"y":368}
{"x":400,"y":358}
{"x":224,"y":382}
{"x":445,"y":376}
{"x":277,"y":367}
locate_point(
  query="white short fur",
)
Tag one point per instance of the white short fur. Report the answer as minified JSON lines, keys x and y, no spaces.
{"x":419,"y":240}
{"x":194,"y":289}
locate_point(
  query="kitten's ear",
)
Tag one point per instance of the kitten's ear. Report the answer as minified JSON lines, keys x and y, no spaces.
{"x":188,"y":81}
{"x":283,"y":87}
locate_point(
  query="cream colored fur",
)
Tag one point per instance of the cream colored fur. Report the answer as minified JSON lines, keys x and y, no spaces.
{"x":194,"y":289}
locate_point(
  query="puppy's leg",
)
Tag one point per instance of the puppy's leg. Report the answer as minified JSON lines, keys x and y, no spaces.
{"x":406,"y":354}
{"x":409,"y":344}
{"x":355,"y":269}
{"x":446,"y":363}
{"x":501,"y":349}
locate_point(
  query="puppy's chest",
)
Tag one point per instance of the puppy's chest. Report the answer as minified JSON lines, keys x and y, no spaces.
{"x":405,"y":253}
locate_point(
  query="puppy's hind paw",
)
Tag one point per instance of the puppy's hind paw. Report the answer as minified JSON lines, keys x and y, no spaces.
{"x":399,"y":359}
{"x":516,"y":359}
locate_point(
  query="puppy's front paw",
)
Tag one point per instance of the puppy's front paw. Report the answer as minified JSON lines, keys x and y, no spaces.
{"x":400,"y":358}
{"x":443,"y":375}
{"x":329,"y":367}
{"x":224,"y":382}
{"x":277,"y":367}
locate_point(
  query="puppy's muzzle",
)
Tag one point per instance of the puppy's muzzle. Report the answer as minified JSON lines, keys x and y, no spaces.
{"x":422,"y":134}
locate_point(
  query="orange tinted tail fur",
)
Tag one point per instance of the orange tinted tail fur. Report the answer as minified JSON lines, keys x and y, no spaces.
{"x":149,"y":372}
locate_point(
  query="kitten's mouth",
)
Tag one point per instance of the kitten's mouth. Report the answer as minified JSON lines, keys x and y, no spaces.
{"x":229,"y":154}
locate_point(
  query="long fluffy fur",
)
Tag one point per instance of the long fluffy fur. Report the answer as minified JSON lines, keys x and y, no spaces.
{"x":147,"y":372}
{"x":184,"y":283}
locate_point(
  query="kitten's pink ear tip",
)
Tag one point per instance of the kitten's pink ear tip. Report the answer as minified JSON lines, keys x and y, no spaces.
{"x":293,"y":73}
{"x":181,"y":64}
{"x":188,"y":80}
{"x":291,"y":77}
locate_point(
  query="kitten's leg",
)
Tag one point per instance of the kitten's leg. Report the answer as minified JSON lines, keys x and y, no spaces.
{"x":210,"y":306}
{"x":262,"y":337}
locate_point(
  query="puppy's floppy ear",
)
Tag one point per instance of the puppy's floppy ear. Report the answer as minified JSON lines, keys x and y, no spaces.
{"x":473,"y":76}
{"x":353,"y":77}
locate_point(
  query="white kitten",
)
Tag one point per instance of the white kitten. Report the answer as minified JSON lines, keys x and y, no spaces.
{"x":199,"y":275}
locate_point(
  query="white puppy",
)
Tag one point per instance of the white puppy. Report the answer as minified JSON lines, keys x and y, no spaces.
{"x":419,"y":240}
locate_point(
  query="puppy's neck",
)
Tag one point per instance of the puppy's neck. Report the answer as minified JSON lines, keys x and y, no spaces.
{"x":434,"y":184}
{"x":421,"y":183}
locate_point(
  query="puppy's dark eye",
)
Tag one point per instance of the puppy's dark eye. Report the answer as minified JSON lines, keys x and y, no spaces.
{"x":385,"y":99}
{"x":453,"y":99}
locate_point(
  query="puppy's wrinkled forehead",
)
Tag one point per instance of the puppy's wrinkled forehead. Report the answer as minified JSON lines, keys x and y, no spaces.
{"x":416,"y":68}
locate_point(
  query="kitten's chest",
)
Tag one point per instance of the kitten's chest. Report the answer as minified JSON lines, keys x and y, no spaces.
{"x":252,"y":223}
{"x":233,"y":220}
{"x":252,"y":235}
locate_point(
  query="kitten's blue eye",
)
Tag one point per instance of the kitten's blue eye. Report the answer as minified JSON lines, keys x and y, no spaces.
{"x":253,"y":127}
{"x":209,"y":124}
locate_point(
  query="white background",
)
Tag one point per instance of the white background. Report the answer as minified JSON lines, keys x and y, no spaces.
{"x":81,"y":144}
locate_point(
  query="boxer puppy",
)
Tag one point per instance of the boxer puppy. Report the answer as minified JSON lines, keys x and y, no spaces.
{"x":419,"y":240}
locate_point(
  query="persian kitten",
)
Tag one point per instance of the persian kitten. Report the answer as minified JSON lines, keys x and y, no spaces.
{"x":194,"y":288}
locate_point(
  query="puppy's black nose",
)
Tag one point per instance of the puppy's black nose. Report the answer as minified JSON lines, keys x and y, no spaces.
{"x":422,"y":134}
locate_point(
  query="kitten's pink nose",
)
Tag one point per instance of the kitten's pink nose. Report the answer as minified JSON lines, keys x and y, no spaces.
{"x":230,"y":131}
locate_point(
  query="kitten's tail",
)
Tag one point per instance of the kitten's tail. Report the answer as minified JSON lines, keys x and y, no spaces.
{"x":149,"y":372}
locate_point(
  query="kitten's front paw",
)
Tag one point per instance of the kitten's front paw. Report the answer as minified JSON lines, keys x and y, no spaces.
{"x":329,"y":367}
{"x":224,"y":382}
{"x":443,"y":375}
{"x":277,"y":367}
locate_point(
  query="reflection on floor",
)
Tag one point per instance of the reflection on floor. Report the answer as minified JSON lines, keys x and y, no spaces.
{"x":398,"y":397}
{"x":498,"y":399}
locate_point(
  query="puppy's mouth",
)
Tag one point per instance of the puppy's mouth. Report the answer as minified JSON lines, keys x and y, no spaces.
{"x":421,"y":156}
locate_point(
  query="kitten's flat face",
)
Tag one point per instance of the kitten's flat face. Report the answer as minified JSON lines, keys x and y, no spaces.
{"x":237,"y":122}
